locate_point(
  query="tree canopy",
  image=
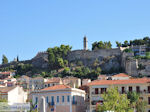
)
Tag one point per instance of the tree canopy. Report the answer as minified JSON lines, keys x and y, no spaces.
{"x":4,"y":60}
{"x":101,"y":45}
{"x":56,"y":56}
{"x":113,"y":101}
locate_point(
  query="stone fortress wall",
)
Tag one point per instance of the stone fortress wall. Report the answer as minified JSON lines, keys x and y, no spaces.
{"x":86,"y":54}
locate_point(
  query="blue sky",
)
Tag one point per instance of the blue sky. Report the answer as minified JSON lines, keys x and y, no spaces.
{"x":29,"y":26}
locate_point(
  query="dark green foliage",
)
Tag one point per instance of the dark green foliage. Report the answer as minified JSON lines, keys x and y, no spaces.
{"x":23,"y":68}
{"x":4,"y":60}
{"x":125,"y":44}
{"x":136,"y":102}
{"x":141,"y":67}
{"x":144,"y":41}
{"x":17,"y":58}
{"x":118,"y":44}
{"x":128,"y":50}
{"x":56,"y":56}
{"x":101,"y":45}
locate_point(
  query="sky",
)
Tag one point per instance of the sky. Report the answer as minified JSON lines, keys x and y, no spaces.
{"x":30,"y":26}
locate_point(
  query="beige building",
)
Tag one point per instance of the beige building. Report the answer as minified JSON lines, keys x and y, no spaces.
{"x":98,"y":87}
{"x":59,"y":98}
{"x":52,"y":82}
{"x":14,"y":94}
{"x":121,"y":76}
{"x":31,"y":83}
{"x":72,"y":81}
{"x":8,"y":82}
{"x":86,"y":81}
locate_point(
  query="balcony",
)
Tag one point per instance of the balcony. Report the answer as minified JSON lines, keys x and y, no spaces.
{"x":97,"y":102}
{"x":74,"y":102}
{"x":51,"y":103}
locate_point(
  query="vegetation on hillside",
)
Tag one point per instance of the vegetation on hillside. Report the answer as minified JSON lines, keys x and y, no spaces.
{"x":56,"y":56}
{"x":4,"y":59}
{"x":126,"y":43}
{"x":101,"y":45}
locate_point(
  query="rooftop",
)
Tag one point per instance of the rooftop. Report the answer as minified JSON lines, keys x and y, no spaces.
{"x":121,"y":75}
{"x":57,"y":87}
{"x":113,"y":82}
{"x":6,"y":89}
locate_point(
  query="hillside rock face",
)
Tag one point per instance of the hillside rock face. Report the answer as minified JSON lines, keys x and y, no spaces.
{"x":108,"y":59}
{"x":40,"y":60}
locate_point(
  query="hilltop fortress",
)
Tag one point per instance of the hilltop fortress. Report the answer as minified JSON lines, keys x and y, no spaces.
{"x":114,"y":59}
{"x":109,"y":59}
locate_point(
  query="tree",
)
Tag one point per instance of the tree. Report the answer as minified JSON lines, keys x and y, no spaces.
{"x":66,"y":70}
{"x":118,"y":44}
{"x":101,"y":45}
{"x":140,"y":105}
{"x":66,"y":63}
{"x":113,"y":101}
{"x":134,"y":97}
{"x":136,"y":102}
{"x":126,"y":44}
{"x":2,"y":99}
{"x":60,"y":62}
{"x":17,"y":58}
{"x":96,"y":63}
{"x":4,"y":60}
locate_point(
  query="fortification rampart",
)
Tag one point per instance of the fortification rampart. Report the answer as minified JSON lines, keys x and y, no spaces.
{"x":86,"y":54}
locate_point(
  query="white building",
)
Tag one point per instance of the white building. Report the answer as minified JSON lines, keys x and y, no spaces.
{"x":14,"y":94}
{"x":121,"y":76}
{"x":59,"y":98}
{"x":86,"y":81}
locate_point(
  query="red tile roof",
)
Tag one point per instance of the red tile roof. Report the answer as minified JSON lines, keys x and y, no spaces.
{"x":113,"y":82}
{"x":121,"y":75}
{"x":57,"y":87}
{"x":6,"y":89}
{"x":5,"y":72}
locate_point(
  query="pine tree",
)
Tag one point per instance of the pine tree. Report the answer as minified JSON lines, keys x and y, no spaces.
{"x":4,"y":60}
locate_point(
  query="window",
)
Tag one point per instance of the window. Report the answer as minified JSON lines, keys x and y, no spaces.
{"x":57,"y":99}
{"x":48,"y":85}
{"x":103,"y":90}
{"x":137,"y":89}
{"x":123,"y":90}
{"x":36,"y":100}
{"x":63,"y":99}
{"x":52,"y":99}
{"x":149,"y":100}
{"x":52,"y":109}
{"x":96,"y":90}
{"x":68,"y":98}
{"x":130,"y":89}
{"x":47,"y":99}
{"x":73,"y":98}
{"x":148,"y":89}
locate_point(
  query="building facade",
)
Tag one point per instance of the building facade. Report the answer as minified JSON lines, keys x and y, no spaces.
{"x":59,"y":98}
{"x":14,"y":94}
{"x":98,"y":87}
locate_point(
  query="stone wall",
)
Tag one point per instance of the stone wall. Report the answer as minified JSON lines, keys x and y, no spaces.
{"x":86,"y":54}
